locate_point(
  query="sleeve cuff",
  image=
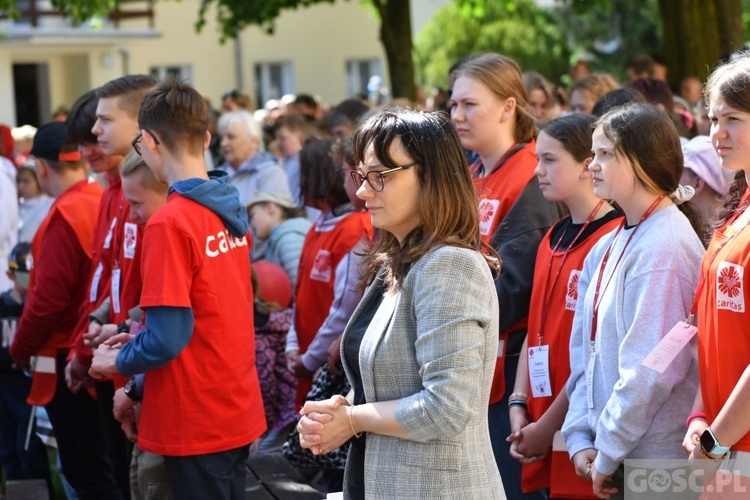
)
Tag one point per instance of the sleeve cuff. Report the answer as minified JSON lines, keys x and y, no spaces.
{"x":122,"y":366}
{"x":578,"y":442}
{"x":605,"y":465}
{"x":310,"y":363}
{"x":291,"y":346}
{"x":410,"y":415}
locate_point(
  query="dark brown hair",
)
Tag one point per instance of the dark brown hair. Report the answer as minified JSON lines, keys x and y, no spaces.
{"x":129,"y":89}
{"x":81,"y":119}
{"x":342,"y":151}
{"x":447,"y":200}
{"x":730,"y":82}
{"x":294,"y":123}
{"x":348,"y":112}
{"x":574,"y":133}
{"x":178,"y":114}
{"x":656,"y":92}
{"x":648,"y":139}
{"x":321,"y":179}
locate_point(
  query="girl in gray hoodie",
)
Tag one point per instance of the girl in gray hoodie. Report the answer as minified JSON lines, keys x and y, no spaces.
{"x":636,"y":284}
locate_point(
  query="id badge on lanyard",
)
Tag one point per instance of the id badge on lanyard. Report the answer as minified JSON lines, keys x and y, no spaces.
{"x":539,"y":371}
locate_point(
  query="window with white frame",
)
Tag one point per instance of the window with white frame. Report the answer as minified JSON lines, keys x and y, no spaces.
{"x":359,"y":72}
{"x":273,"y":80}
{"x":183,"y":72}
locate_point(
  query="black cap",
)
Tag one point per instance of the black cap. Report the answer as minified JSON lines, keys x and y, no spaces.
{"x":18,"y":258}
{"x":50,"y":139}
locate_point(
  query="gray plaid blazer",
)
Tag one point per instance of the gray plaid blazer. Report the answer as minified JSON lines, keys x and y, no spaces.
{"x":432,"y":345}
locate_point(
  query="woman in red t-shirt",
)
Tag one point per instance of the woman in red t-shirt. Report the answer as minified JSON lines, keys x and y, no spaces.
{"x":719,"y":425}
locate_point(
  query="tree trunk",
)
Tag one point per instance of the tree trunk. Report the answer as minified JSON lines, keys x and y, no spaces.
{"x":395,"y":34}
{"x":697,"y":34}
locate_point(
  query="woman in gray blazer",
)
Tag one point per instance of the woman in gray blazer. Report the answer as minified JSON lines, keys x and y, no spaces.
{"x":420,"y":349}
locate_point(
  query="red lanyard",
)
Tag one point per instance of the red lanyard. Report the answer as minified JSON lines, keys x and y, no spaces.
{"x":704,"y":277}
{"x":550,"y":287}
{"x":603,"y":266}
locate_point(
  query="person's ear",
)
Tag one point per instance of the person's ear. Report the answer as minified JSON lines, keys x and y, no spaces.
{"x":699,"y":184}
{"x":207,"y":141}
{"x":509,"y":110}
{"x":149,"y":140}
{"x":41,"y":169}
{"x":586,"y":173}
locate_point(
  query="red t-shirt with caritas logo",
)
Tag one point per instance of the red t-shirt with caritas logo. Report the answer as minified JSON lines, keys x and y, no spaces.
{"x":208,"y":398}
{"x":724,"y":319}
{"x":553,"y":304}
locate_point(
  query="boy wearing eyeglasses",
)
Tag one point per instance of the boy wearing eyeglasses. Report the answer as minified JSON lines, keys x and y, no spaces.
{"x":202,"y":405}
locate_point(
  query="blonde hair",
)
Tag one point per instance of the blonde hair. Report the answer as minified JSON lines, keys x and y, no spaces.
{"x":502,"y":76}
{"x":134,"y":165}
{"x":596,"y":85}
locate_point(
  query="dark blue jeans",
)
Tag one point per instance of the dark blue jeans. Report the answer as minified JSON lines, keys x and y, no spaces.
{"x":15,"y":413}
{"x":119,"y":449}
{"x":80,"y":441}
{"x":499,"y":420}
{"x":218,"y":476}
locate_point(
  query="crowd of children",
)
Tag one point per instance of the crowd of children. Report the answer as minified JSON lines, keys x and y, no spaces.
{"x":179,"y":315}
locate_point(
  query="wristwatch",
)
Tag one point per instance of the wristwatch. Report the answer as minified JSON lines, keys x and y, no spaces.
{"x":711,"y":445}
{"x":131,"y":390}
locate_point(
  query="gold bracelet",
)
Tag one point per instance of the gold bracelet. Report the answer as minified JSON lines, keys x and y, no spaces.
{"x":351,"y":422}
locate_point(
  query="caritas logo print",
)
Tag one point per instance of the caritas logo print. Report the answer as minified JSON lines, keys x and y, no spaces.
{"x":571,"y":296}
{"x":487,"y":210}
{"x":729,"y":287}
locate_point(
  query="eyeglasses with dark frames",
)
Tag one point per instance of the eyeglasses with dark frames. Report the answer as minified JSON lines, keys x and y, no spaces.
{"x":136,"y":143}
{"x":375,"y":179}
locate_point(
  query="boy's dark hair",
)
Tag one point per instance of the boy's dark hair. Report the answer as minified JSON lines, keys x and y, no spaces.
{"x":307,"y":100}
{"x":294,"y":123}
{"x":349,"y":112}
{"x":656,"y":92}
{"x":178,"y":114}
{"x":615,"y":98}
{"x":342,"y":150}
{"x":320,"y":178}
{"x":641,"y":64}
{"x":82,"y":118}
{"x":130,"y":89}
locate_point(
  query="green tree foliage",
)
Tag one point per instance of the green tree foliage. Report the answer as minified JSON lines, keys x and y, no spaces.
{"x":607,"y":33}
{"x":235,"y":15}
{"x":79,"y":10}
{"x":517,"y":28}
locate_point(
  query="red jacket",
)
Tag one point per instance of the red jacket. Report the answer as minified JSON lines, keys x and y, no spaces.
{"x":61,"y":253}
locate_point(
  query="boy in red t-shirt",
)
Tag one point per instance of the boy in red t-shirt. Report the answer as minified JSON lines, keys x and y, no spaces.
{"x":61,"y":254}
{"x":103,"y":122}
{"x":201,"y":399}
